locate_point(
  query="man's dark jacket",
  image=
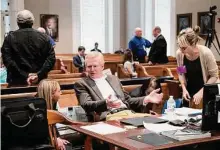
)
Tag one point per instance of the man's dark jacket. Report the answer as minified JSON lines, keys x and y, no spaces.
{"x":158,"y":52}
{"x":78,"y":63}
{"x":27,"y":51}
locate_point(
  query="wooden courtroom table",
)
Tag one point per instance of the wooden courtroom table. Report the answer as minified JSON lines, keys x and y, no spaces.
{"x":122,"y":139}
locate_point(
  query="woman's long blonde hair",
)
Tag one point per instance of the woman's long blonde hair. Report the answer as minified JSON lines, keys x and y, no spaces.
{"x":45,"y":90}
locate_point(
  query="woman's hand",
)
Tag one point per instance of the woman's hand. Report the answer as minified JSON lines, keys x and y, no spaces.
{"x":61,"y":143}
{"x":186,"y":95}
{"x":198,"y":97}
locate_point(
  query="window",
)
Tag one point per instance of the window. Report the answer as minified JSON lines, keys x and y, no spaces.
{"x":92,"y":23}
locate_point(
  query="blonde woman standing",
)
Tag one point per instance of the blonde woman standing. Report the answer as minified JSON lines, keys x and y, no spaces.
{"x":196,"y":65}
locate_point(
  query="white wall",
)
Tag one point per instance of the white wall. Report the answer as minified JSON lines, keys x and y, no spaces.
{"x":195,"y":6}
{"x":70,"y":23}
{"x":63,"y":10}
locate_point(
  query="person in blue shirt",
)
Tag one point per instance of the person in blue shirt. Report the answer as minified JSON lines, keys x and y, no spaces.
{"x":138,"y":44}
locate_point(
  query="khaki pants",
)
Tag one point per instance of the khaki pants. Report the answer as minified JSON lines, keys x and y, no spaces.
{"x":125,"y":114}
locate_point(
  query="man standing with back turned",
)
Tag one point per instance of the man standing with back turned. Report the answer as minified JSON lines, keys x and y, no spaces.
{"x":27,"y":53}
{"x":138,"y":44}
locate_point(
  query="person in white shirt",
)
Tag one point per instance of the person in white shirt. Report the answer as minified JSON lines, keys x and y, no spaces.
{"x":103,"y":94}
{"x":129,"y":64}
{"x":96,"y":48}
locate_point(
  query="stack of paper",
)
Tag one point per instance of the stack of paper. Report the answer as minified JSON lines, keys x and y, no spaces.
{"x":103,"y":128}
{"x":185,"y":111}
{"x":180,"y":135}
{"x":161,"y":127}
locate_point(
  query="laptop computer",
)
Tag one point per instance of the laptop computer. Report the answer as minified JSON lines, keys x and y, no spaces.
{"x":138,"y":122}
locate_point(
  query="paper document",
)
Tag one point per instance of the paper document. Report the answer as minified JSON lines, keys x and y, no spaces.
{"x":184,"y":111}
{"x":161,"y":127}
{"x":103,"y":128}
{"x":167,"y":117}
{"x":179,"y":135}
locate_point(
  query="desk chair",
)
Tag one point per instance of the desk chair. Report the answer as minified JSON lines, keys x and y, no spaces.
{"x":54,"y":117}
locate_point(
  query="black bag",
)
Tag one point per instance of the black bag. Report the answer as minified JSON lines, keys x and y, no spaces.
{"x":24,"y":124}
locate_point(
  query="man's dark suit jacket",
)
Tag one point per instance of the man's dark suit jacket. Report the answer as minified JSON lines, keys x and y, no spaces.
{"x":158,"y":52}
{"x":91,"y":99}
{"x":78,"y":63}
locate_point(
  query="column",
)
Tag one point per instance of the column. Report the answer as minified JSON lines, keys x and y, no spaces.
{"x":92,"y":17}
{"x":148,"y":18}
{"x":115,"y":31}
{"x":165,"y":18}
{"x":76,"y":25}
{"x":133,"y":17}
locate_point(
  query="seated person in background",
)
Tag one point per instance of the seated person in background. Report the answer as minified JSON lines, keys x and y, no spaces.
{"x":158,"y":51}
{"x":104,"y":95}
{"x":129,"y":63}
{"x":196,"y":65}
{"x":52,"y":42}
{"x":96,"y":48}
{"x":79,"y":60}
{"x":50,"y":91}
{"x":3,"y":72}
{"x":120,"y":51}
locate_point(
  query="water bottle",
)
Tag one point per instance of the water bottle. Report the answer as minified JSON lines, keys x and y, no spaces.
{"x":171,"y":105}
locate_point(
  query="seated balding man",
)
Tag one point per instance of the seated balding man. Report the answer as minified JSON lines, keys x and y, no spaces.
{"x":42,"y":30}
{"x":104,"y":95}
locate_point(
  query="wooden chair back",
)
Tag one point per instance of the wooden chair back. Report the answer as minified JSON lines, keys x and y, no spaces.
{"x":173,"y":73}
{"x":156,"y":71}
{"x":122,"y":73}
{"x":129,"y":88}
{"x":54,"y":117}
{"x":55,"y":72}
{"x":141,"y":72}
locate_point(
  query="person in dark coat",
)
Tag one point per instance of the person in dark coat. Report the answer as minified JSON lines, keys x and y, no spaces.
{"x":27,"y":53}
{"x":79,"y":60}
{"x":158,"y":52}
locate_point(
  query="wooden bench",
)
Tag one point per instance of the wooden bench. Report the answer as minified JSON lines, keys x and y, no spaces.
{"x":173,"y":73}
{"x":55,"y":72}
{"x":67,"y":80}
{"x":122,"y":73}
{"x":67,"y":98}
{"x":64,"y":76}
{"x":146,"y":71}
